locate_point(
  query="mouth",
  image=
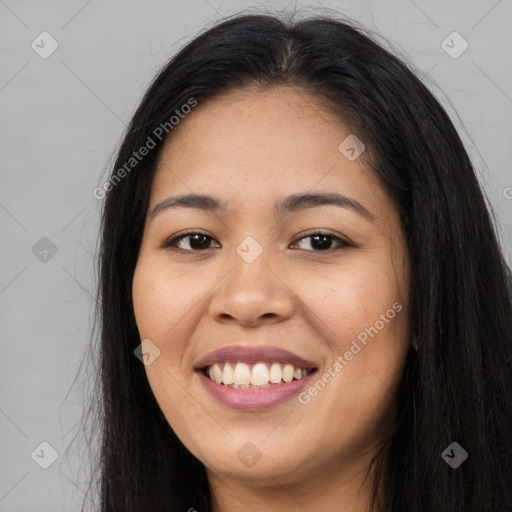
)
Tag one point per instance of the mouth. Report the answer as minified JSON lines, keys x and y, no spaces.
{"x":254,"y":377}
{"x":240,"y":375}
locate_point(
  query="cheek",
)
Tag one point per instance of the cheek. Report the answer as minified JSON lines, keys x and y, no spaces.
{"x":165,"y":303}
{"x":348,"y":300}
{"x":163,"y":300}
{"x":362,"y":317}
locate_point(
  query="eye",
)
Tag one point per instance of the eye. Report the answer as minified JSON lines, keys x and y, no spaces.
{"x":321,"y":241}
{"x":196,"y":241}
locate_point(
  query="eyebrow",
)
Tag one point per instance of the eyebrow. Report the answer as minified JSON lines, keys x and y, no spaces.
{"x":292,"y":203}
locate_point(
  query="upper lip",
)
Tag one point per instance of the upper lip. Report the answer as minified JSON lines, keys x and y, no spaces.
{"x":252,"y":355}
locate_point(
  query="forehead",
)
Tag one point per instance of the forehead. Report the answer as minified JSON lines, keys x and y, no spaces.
{"x":242,"y":123}
{"x":257,"y":144}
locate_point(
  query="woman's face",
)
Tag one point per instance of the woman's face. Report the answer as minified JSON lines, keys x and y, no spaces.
{"x":312,"y":289}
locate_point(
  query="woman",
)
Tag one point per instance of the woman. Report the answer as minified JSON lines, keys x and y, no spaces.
{"x":303,"y":302}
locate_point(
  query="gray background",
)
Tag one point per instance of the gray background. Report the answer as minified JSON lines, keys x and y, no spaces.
{"x":61,"y":120}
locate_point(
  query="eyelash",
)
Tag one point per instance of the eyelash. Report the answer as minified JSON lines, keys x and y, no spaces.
{"x":171,"y":243}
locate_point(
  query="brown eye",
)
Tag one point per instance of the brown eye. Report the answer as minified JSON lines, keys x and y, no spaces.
{"x":323,"y":241}
{"x":196,"y":241}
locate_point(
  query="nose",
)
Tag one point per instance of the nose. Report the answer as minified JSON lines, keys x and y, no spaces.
{"x":252,"y":294}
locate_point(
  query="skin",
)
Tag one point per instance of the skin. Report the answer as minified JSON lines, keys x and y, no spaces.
{"x":249,"y":148}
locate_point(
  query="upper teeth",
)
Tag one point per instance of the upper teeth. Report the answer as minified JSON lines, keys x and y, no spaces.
{"x":261,"y":374}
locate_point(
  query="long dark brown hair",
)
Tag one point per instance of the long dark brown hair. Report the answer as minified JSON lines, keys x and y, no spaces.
{"x":456,"y":388}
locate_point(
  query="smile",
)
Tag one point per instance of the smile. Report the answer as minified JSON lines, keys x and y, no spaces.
{"x":253,"y":377}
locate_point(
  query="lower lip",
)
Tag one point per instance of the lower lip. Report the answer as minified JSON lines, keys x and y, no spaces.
{"x":250,"y":399}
